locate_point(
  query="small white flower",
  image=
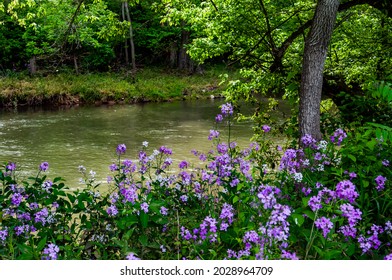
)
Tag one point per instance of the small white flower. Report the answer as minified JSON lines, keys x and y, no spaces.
{"x":320,"y":167}
{"x":322,"y":145}
{"x":298,"y":177}
{"x":81,"y":168}
{"x":145,"y":144}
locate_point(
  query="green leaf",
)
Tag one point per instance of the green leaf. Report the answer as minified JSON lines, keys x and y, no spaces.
{"x":350,"y":249}
{"x":310,"y":214}
{"x":41,"y":244}
{"x":143,"y":239}
{"x":144,"y":219}
{"x":319,"y":251}
{"x":333,"y":254}
{"x":298,"y":219}
{"x":235,"y":199}
{"x":353,"y":158}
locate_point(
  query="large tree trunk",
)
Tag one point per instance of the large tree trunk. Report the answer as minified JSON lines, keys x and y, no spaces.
{"x":315,"y":54}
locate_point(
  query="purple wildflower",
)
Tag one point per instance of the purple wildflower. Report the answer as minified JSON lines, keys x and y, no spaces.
{"x":131,"y":256}
{"x":208,"y":226}
{"x":227,"y":212}
{"x":163,"y":211}
{"x":306,"y":191}
{"x":324,"y":224}
{"x":186,"y":234}
{"x":50,"y":252}
{"x":24,"y":216}
{"x":222,"y":148}
{"x":289,"y":160}
{"x":352,"y":175}
{"x":388,"y":257}
{"x":129,"y":194}
{"x":338,"y":136}
{"x":266,"y":128}
{"x":346,"y":190}
{"x":121,"y":148}
{"x":213,"y":134}
{"x":20,"y":229}
{"x":308,"y":141}
{"x":11,"y":166}
{"x":112,"y":210}
{"x":289,"y":256}
{"x":267,"y":196}
{"x":385,"y":162}
{"x":144,"y":206}
{"x":33,"y":205}
{"x":165,"y":150}
{"x":234,"y":182}
{"x":183,"y":164}
{"x":372,"y":242}
{"x":219,"y":118}
{"x":3,"y":235}
{"x":113,"y":167}
{"x":44,"y":166}
{"x":348,"y":231}
{"x":250,"y":237}
{"x":40,"y":216}
{"x":16,"y":199}
{"x":380,"y":181}
{"x":352,"y":214}
{"x":315,"y":203}
{"x":47,"y":186}
{"x":388,"y":227}
{"x":227,"y":109}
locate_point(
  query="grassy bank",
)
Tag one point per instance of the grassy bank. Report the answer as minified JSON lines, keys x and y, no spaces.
{"x":147,"y":85}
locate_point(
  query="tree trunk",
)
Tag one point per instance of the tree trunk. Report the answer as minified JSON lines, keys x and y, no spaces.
{"x":315,"y":54}
{"x":130,"y":36}
{"x":126,"y":40}
{"x":182,"y":55}
{"x":75,"y":59}
{"x":32,"y":66}
{"x":173,"y":54}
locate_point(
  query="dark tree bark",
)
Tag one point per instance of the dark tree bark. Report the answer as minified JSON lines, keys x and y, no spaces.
{"x":33,"y":65}
{"x":315,"y":53}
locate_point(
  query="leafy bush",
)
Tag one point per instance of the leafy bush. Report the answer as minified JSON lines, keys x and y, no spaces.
{"x":328,"y":200}
{"x":375,"y":105}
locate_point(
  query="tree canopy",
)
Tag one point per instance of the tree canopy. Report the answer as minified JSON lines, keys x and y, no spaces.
{"x":264,"y":38}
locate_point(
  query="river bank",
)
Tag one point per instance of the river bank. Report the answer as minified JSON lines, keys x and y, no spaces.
{"x":147,"y":85}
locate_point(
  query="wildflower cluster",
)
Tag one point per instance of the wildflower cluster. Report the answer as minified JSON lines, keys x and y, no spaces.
{"x":322,"y":202}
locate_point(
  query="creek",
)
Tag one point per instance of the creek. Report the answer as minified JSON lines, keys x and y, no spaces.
{"x":88,"y":135}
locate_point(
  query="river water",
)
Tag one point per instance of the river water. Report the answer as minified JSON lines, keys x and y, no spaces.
{"x":89,"y":135}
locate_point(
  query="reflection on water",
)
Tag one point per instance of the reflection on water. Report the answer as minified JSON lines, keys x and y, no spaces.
{"x":88,"y":136}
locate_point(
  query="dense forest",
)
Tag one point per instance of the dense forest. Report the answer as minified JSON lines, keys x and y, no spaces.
{"x":262,"y":36}
{"x":265,"y":40}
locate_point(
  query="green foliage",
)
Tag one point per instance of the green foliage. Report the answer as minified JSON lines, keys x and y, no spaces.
{"x":373,"y":106}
